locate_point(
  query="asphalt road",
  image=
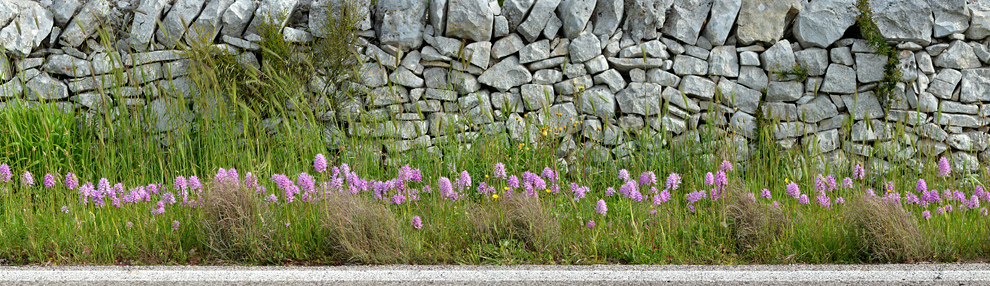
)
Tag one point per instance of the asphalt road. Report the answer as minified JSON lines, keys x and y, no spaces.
{"x":913,"y":274}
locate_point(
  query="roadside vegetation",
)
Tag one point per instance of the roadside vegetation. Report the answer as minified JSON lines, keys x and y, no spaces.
{"x":251,"y":179}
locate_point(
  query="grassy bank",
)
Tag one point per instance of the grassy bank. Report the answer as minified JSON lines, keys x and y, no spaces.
{"x":237,"y":183}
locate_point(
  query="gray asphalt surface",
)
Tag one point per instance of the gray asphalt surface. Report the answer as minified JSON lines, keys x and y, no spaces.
{"x":913,"y":274}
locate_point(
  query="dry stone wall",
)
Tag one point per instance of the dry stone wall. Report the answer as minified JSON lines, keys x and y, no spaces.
{"x":567,"y":69}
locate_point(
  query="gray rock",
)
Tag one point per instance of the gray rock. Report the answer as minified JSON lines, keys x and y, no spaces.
{"x":438,"y":16}
{"x":749,"y":58}
{"x":814,"y":60}
{"x":932,"y":131}
{"x":779,"y":111}
{"x":507,"y":46}
{"x":6,"y":73}
{"x":515,"y":11}
{"x":44,"y":87}
{"x":538,"y":16}
{"x":373,"y":75}
{"x":585,"y":47}
{"x":596,"y":65}
{"x":721,"y":21}
{"x":743,"y":123}
{"x":662,"y":77}
{"x":698,"y":52}
{"x":406,"y":78}
{"x":863,"y":106}
{"x":207,"y":25}
{"x":68,"y":65}
{"x":979,"y":23}
{"x":816,"y":110}
{"x":439,"y":94}
{"x":500,"y":28}
{"x":387,"y":95}
{"x":688,"y":65}
{"x":959,"y":56}
{"x":479,"y":53}
{"x":508,"y":101}
{"x":167,"y":115}
{"x":143,"y":25}
{"x":574,"y":85}
{"x":399,"y":23}
{"x":626,"y":65}
{"x":653,"y":49}
{"x":951,"y":17}
{"x":698,"y":86}
{"x":784,"y":91}
{"x":958,"y":120}
{"x":870,"y":67}
{"x":607,"y":16}
{"x":536,"y":51}
{"x":553,"y":26}
{"x":598,"y":101}
{"x":945,"y":83}
{"x":572,"y":70}
{"x":975,"y":85}
{"x":842,"y":56}
{"x":764,"y":21}
{"x":753,"y":77}
{"x":685,"y":19}
{"x":278,"y":12}
{"x":927,"y":102}
{"x":612,"y":78}
{"x":469,"y":19}
{"x":548,"y":77}
{"x":62,"y":10}
{"x":574,"y":14}
{"x":464,"y":83}
{"x":237,"y":17}
{"x":965,"y":162}
{"x":822,"y":23}
{"x":785,"y":130}
{"x":680,"y":100}
{"x":537,"y":96}
{"x":547,"y":63}
{"x":738,"y":96}
{"x":910,"y":117}
{"x":176,"y":22}
{"x":955,"y":107}
{"x":644,"y":17}
{"x":839,"y":79}
{"x":293,"y":35}
{"x":506,"y":74}
{"x":981,"y":51}
{"x":723,"y":61}
{"x":27,"y":29}
{"x":779,"y":57}
{"x":899,"y":20}
{"x":640,"y":98}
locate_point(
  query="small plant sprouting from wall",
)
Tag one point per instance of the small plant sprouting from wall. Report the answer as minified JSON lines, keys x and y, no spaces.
{"x":871,"y":33}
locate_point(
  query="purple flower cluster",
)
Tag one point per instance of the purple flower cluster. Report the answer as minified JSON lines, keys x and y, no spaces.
{"x":944,"y":170}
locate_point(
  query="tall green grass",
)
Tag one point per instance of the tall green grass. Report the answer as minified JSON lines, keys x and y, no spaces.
{"x":269,"y":121}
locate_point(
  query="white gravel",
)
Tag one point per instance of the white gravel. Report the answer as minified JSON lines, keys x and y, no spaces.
{"x":913,"y":274}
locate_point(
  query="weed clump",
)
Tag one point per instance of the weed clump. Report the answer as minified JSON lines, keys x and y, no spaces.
{"x":363,"y":230}
{"x":538,"y":229}
{"x":886,"y":232}
{"x":235,"y":221}
{"x":755,"y":226}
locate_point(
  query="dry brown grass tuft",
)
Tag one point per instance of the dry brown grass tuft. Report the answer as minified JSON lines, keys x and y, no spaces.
{"x":886,"y":232}
{"x":363,"y":230}
{"x":487,"y":224}
{"x":531,"y":223}
{"x":235,"y":222}
{"x":755,"y":226}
